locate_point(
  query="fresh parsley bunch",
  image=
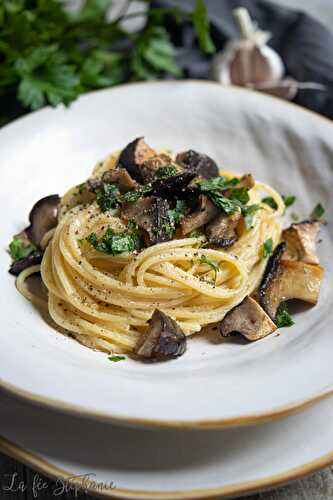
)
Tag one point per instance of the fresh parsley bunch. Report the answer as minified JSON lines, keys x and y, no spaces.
{"x":51,"y":55}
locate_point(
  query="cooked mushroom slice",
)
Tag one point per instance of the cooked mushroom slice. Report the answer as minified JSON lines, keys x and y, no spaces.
{"x":246,"y":181}
{"x":173,"y":187}
{"x":133,"y":157}
{"x":198,"y":163}
{"x":163,"y":340}
{"x":222,"y":230}
{"x":249,"y":319}
{"x":94,"y":184}
{"x":43,"y":217}
{"x":150,"y":214}
{"x":121,"y":178}
{"x":301,"y":241}
{"x":151,"y":166}
{"x":287,"y":279}
{"x":32,"y":259}
{"x":205,"y":212}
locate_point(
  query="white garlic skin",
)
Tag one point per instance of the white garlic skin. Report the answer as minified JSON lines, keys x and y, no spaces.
{"x":243,"y":62}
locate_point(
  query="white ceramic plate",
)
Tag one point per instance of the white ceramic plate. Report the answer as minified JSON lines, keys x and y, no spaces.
{"x":166,"y":464}
{"x":215,"y":383}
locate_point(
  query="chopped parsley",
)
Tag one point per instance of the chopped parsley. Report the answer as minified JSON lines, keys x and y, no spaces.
{"x":107,"y":197}
{"x":166,"y":171}
{"x":132,"y":196}
{"x":113,"y":243}
{"x":294,"y":216}
{"x":205,"y":260}
{"x":116,"y":358}
{"x":283,"y":317}
{"x":267,"y":247}
{"x":288,"y":200}
{"x":317,"y":212}
{"x":20,"y":248}
{"x":177,"y":213}
{"x":220,"y":183}
{"x":237,"y":197}
{"x":248,"y":212}
{"x":270,"y":202}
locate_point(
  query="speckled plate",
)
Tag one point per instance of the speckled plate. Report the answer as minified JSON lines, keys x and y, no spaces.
{"x":216,"y":383}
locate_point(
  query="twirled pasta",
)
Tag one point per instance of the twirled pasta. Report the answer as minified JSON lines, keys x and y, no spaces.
{"x":105,"y":301}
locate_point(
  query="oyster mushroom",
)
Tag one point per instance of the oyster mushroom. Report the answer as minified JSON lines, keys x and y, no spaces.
{"x":287,"y":279}
{"x":222,"y":230}
{"x":163,"y":340}
{"x":150,"y":167}
{"x":249,"y":319}
{"x":32,"y":259}
{"x":121,"y":178}
{"x":150,"y":214}
{"x":202,"y":165}
{"x":301,"y":241}
{"x":43,"y":217}
{"x":205,"y":212}
{"x":133,"y":156}
{"x":174,"y":186}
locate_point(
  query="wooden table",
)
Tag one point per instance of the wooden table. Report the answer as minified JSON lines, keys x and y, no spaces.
{"x":316,"y":487}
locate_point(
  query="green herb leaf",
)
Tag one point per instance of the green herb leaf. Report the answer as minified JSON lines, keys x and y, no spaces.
{"x":267,"y":247}
{"x":19,"y":248}
{"x":248,"y":212}
{"x":107,"y":197}
{"x":288,"y":200}
{"x":205,"y":260}
{"x":132,"y":196}
{"x":270,"y":202}
{"x":294,"y":216}
{"x":283,"y":317}
{"x":46,"y":78}
{"x":201,"y":25}
{"x":317,"y":212}
{"x":219,"y":183}
{"x":166,"y":171}
{"x":116,"y":358}
{"x":115,"y":243}
{"x":176,"y":214}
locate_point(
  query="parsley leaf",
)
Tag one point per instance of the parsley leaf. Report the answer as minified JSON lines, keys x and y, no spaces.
{"x":132,"y":196}
{"x":176,"y":214}
{"x":270,"y":202}
{"x":166,"y":171}
{"x":289,"y":200}
{"x":115,"y":243}
{"x":220,"y":183}
{"x":205,"y":260}
{"x":46,"y":77}
{"x":201,"y":24}
{"x":283,"y":317}
{"x":248,"y":212}
{"x":19,"y":248}
{"x":116,"y":358}
{"x":267,"y":247}
{"x":317,"y":212}
{"x":107,"y":197}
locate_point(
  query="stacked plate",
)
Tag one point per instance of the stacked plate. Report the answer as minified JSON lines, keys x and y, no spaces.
{"x":182,"y":429}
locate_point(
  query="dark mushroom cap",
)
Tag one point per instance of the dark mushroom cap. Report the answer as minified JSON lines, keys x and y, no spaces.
{"x":43,"y":217}
{"x":133,"y":157}
{"x":198,"y":163}
{"x":32,"y":259}
{"x":174,"y":186}
{"x":163,"y":340}
{"x":271,"y":271}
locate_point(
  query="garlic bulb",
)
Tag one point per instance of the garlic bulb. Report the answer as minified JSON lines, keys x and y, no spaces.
{"x":248,"y":60}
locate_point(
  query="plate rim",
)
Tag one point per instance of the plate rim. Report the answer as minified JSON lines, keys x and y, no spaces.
{"x":242,"y":420}
{"x":52,"y":471}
